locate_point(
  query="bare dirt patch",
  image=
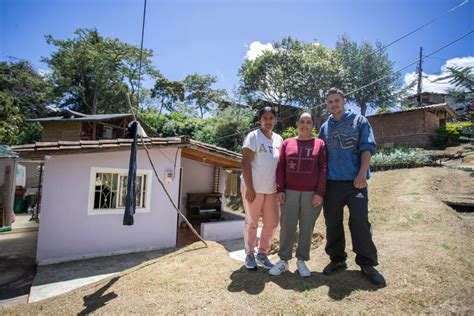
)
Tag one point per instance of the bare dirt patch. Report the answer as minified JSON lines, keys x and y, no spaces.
{"x":425,"y":251}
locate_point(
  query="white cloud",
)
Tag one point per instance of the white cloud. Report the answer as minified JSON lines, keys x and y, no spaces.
{"x":441,"y":86}
{"x":256,"y":49}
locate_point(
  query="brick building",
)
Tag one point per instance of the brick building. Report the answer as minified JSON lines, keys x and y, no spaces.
{"x":414,"y":127}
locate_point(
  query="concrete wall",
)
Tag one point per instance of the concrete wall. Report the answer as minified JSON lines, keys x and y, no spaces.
{"x":231,"y":228}
{"x":415,"y":128}
{"x":66,"y":230}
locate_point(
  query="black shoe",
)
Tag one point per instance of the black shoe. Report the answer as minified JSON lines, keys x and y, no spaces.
{"x":374,"y":276}
{"x":334,"y":266}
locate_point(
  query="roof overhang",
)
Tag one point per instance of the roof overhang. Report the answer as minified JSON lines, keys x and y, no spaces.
{"x":191,"y":149}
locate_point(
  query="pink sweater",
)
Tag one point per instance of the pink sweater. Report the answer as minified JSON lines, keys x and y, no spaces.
{"x":302,"y":166}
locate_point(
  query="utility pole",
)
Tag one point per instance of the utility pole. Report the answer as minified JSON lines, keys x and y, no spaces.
{"x":420,"y":73}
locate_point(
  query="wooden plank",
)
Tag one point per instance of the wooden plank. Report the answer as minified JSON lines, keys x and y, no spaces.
{"x":210,"y":159}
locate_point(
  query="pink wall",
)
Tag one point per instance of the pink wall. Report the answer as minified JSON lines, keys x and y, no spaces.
{"x":66,"y":230}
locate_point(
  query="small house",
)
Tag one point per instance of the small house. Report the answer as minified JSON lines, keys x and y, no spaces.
{"x":414,"y":127}
{"x":84,"y":188}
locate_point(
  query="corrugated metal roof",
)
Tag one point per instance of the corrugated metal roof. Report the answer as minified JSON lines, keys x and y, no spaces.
{"x":6,"y":152}
{"x":440,"y":106}
{"x":86,"y":118}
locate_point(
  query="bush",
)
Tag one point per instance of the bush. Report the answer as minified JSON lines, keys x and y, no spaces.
{"x":397,"y":158}
{"x":454,"y":133}
{"x":293,"y":132}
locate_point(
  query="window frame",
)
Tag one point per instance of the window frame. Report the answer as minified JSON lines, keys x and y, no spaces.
{"x":120,"y":172}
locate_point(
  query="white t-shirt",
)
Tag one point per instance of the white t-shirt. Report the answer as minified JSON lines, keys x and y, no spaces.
{"x":265,"y":161}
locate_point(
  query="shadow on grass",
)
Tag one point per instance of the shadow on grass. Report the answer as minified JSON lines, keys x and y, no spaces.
{"x":340,"y":285}
{"x":95,"y":301}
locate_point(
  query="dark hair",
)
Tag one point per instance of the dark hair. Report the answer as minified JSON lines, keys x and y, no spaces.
{"x":306,"y":112}
{"x":334,"y":91}
{"x":264,"y":110}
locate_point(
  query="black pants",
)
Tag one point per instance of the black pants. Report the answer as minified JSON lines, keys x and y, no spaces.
{"x":338,"y":195}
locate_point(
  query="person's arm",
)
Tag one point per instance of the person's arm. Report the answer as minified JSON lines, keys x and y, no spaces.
{"x":322,"y":175}
{"x":360,"y":181}
{"x":281,"y":174}
{"x":247,"y":157}
{"x":366,"y":148}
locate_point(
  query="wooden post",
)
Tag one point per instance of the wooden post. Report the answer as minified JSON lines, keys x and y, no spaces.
{"x":4,"y":212}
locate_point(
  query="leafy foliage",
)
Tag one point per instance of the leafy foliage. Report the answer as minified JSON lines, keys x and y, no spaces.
{"x":92,"y":74}
{"x":199,"y":93}
{"x":294,"y":73}
{"x":24,"y":94}
{"x":364,"y":64}
{"x":293,"y":132}
{"x":452,"y":133}
{"x":397,"y":158}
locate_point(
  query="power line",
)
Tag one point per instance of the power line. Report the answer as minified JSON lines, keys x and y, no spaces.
{"x":405,"y":36}
{"x":373,"y":82}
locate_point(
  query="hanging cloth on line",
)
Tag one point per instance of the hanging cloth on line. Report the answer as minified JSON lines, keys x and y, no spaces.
{"x":134,"y":129}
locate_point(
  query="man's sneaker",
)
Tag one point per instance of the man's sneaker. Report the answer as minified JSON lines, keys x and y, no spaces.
{"x":279,"y":268}
{"x":250,"y":262}
{"x":373,"y":275}
{"x":334,"y":266}
{"x":263,"y":261}
{"x":302,"y":269}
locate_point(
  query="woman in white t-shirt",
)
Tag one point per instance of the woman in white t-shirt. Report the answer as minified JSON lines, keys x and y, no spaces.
{"x":259,"y":162}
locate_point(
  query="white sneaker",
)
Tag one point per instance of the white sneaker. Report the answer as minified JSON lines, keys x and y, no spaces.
{"x":280,"y":267}
{"x":302,"y":269}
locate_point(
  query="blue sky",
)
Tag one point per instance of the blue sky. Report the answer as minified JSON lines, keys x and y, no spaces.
{"x":214,"y":36}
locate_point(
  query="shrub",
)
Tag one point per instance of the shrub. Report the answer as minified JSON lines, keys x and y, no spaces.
{"x":293,"y":132}
{"x":453,"y":133}
{"x":397,"y":158}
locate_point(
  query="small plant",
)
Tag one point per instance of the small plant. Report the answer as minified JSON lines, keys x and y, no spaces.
{"x":397,"y":158}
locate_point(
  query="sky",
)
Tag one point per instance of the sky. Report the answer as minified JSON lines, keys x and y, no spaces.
{"x":215,"y":36}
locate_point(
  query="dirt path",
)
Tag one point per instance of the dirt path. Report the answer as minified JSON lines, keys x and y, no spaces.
{"x":425,"y":251}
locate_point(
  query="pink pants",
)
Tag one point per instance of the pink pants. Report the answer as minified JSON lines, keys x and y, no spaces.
{"x":265,"y":206}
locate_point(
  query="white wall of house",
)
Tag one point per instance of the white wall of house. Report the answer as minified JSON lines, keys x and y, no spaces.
{"x":68,"y":231}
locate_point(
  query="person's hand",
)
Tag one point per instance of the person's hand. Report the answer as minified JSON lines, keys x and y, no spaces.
{"x":317,"y":200}
{"x":250,"y":195}
{"x":281,"y":197}
{"x":360,"y":181}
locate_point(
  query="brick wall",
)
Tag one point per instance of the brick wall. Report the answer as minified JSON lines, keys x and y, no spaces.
{"x":415,"y":128}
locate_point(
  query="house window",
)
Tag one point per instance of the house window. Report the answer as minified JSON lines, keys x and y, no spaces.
{"x":108,"y":191}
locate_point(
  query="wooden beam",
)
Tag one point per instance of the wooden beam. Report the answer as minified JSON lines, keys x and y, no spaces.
{"x":210,"y":158}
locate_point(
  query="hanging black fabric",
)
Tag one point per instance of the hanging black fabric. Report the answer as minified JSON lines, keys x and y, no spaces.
{"x":130,"y":202}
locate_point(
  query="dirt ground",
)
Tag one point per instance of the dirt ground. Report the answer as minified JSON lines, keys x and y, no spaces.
{"x":425,"y":252}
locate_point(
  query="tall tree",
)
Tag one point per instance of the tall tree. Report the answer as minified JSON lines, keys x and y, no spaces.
{"x":167,"y":92}
{"x":364,"y":64}
{"x":93,"y":74}
{"x":24,"y":94}
{"x":293,"y":73}
{"x":199,"y":93}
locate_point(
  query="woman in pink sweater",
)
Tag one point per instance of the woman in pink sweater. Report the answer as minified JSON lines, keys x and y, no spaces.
{"x":301,"y":184}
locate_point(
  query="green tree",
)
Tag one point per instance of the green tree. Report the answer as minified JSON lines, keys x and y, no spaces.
{"x":362,"y":65}
{"x":93,"y":74}
{"x":167,"y":93}
{"x":463,"y":81}
{"x":294,"y":73}
{"x":200,"y":95}
{"x":24,"y":94}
